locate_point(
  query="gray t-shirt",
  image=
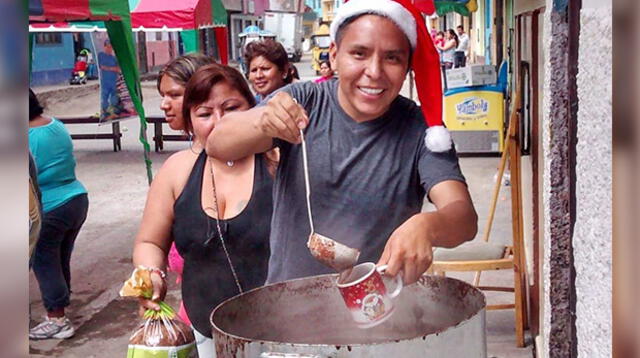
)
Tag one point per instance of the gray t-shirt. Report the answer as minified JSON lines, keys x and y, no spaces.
{"x":366,"y":180}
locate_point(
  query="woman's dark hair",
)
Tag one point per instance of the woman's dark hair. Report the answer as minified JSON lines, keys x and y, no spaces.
{"x":325,"y":62}
{"x":35,"y":109}
{"x":440,"y":33}
{"x":294,"y":72}
{"x":454,"y":35}
{"x":199,"y":87}
{"x":272,"y":51}
{"x":180,"y":69}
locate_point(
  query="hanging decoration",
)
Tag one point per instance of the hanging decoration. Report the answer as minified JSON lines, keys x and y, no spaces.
{"x":462,"y":7}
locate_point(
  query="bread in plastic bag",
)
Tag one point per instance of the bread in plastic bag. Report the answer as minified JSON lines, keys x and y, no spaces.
{"x":161,"y":333}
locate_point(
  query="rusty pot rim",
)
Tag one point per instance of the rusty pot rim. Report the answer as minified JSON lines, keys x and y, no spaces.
{"x":422,"y":278}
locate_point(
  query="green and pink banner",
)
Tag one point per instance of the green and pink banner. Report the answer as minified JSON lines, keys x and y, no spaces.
{"x":77,"y":10}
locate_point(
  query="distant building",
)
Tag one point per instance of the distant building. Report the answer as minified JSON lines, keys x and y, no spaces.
{"x":54,"y":55}
{"x":329,"y":8}
{"x":316,"y":6}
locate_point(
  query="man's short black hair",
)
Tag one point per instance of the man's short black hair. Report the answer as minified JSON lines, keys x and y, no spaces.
{"x":460,"y":27}
{"x":346,"y":23}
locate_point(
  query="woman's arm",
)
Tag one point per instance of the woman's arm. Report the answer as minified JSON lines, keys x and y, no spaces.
{"x":449,"y":44}
{"x":153,"y":240}
{"x":239,"y":134}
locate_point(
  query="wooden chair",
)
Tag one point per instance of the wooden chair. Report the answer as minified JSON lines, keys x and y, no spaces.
{"x":484,"y":255}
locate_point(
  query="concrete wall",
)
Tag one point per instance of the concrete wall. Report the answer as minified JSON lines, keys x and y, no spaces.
{"x":542,"y":346}
{"x":52,"y":63}
{"x":592,"y":231}
{"x":520,"y":6}
{"x":232,"y":5}
{"x":593,"y":228}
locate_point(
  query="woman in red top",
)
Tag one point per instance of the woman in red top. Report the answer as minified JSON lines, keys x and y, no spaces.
{"x":325,"y":71}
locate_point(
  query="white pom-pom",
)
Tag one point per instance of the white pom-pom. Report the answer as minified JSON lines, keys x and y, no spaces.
{"x":438,"y":139}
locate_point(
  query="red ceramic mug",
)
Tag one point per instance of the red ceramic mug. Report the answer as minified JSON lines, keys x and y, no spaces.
{"x":365,"y":293}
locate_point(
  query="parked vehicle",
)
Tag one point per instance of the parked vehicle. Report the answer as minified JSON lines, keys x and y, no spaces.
{"x":320,"y":46}
{"x":79,"y":72}
{"x":288,"y":28}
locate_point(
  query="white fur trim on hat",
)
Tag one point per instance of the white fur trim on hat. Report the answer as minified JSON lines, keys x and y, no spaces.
{"x":387,"y":8}
{"x":438,"y":139}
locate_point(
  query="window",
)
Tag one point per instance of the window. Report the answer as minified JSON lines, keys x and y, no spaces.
{"x":48,"y":38}
{"x":158,"y":35}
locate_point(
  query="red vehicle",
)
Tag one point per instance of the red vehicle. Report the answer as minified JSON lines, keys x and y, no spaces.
{"x":79,"y":72}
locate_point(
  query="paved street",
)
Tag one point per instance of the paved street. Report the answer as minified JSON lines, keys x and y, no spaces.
{"x":117,"y":186}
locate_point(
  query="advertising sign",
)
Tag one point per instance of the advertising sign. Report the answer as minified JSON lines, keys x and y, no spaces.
{"x":475,"y":119}
{"x":115,"y":101}
{"x":474,"y":110}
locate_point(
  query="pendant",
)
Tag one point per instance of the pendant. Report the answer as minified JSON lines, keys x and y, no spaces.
{"x":230,"y":163}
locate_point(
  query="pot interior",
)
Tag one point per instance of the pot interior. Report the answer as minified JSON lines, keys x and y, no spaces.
{"x":311,"y":311}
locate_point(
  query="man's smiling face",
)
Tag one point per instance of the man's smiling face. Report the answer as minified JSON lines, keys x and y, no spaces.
{"x":372,"y":57}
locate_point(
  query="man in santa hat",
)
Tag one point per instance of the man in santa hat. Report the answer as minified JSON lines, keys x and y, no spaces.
{"x":371,"y":158}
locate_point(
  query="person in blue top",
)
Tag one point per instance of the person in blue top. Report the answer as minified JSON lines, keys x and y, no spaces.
{"x":108,"y":78}
{"x":64,"y":205}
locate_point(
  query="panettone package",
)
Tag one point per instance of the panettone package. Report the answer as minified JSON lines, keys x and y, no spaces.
{"x":161,"y":333}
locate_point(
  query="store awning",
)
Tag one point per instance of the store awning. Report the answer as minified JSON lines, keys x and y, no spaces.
{"x":183,"y":14}
{"x":186,"y":16}
{"x":462,"y":7}
{"x":77,"y":10}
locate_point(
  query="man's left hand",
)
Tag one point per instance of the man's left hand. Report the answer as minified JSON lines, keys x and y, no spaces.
{"x":409,"y":249}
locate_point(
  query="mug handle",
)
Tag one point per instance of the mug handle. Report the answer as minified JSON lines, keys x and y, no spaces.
{"x":398,"y":279}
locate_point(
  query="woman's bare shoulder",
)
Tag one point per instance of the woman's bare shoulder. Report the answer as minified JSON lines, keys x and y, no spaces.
{"x":176,"y":169}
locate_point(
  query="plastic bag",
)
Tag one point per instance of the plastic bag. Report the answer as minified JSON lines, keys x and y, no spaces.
{"x":161,"y":333}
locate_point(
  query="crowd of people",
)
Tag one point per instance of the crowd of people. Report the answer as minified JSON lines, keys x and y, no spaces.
{"x":228,"y":214}
{"x":452,"y":46}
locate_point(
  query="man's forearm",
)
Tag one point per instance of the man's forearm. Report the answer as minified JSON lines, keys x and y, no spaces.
{"x":237,"y":136}
{"x":452,"y":224}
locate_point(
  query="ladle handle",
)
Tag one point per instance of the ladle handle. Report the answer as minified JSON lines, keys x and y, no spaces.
{"x":305,"y":165}
{"x":397,"y":279}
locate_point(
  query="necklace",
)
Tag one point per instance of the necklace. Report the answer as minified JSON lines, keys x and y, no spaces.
{"x":230,"y":163}
{"x":217,"y":212}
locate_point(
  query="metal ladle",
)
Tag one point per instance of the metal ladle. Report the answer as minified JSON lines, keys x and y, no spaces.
{"x":328,"y":251}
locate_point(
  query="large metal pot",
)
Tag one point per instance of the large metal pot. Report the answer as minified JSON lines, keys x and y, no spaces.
{"x":436,"y":317}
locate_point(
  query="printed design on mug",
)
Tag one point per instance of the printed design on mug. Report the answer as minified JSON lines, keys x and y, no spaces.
{"x":355,"y":295}
{"x":373,"y":306}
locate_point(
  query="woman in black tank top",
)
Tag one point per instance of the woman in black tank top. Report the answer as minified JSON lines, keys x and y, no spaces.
{"x":218,"y":213}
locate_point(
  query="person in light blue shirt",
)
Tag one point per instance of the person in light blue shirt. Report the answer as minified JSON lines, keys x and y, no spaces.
{"x":64,"y":205}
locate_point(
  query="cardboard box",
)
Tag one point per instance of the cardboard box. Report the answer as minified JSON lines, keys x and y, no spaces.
{"x":473,"y":75}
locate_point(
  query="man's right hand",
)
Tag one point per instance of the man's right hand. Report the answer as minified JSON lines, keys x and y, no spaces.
{"x":283,"y":118}
{"x":159,"y":292}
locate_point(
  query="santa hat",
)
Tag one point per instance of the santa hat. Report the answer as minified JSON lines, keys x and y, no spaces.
{"x":425,"y":63}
